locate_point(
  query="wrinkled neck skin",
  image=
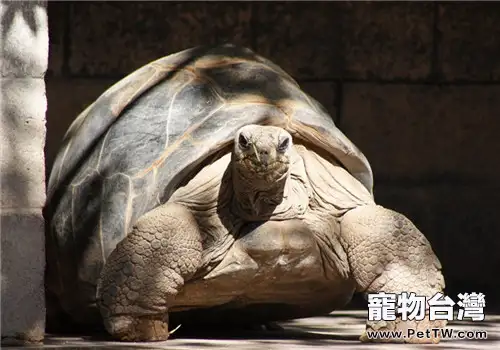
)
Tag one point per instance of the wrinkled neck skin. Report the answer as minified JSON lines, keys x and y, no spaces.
{"x":257,"y":198}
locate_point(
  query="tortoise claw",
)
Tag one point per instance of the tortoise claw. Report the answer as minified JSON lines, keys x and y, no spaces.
{"x":139,"y":328}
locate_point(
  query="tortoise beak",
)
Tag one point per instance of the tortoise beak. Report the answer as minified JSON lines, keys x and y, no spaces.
{"x":261,"y":156}
{"x":264,"y":159}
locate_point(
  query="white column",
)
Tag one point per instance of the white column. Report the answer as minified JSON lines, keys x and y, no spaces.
{"x":24,"y":55}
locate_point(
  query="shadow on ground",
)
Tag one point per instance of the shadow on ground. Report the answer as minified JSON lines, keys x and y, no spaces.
{"x":339,"y":330}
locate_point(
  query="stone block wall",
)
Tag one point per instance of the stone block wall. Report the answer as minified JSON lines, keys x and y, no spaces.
{"x":416,"y":85}
{"x":24,"y":54}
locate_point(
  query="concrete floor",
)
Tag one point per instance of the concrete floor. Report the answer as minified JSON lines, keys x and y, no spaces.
{"x":339,"y":330}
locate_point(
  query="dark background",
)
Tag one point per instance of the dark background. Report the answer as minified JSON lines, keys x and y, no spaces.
{"x":414,"y":84}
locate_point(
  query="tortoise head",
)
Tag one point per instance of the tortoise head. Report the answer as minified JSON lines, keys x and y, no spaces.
{"x":261,"y":155}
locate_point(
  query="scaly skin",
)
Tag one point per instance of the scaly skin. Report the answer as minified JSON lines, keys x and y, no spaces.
{"x":267,"y":179}
{"x":387,"y":253}
{"x":146,"y":270}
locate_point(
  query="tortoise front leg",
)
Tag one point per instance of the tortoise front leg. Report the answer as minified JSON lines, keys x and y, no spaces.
{"x":387,"y":253}
{"x":145,"y":272}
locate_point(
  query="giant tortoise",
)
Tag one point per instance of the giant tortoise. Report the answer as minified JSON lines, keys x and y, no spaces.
{"x":208,"y":187}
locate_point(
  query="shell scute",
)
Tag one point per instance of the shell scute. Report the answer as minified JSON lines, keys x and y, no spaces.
{"x":140,"y":140}
{"x":248,"y":78}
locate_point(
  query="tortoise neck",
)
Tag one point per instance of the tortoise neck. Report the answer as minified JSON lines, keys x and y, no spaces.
{"x":282,"y":199}
{"x":256,"y":200}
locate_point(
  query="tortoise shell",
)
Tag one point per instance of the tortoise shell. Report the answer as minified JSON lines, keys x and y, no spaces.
{"x":149,"y":133}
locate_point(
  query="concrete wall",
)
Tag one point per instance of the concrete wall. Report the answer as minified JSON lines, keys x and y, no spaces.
{"x":415,"y":85}
{"x":24,"y":34}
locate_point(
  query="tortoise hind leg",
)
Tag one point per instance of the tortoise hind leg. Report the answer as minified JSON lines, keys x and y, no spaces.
{"x":387,"y":253}
{"x":145,"y":272}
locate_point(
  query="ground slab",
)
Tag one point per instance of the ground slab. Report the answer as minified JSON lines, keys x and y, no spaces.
{"x":339,"y":330}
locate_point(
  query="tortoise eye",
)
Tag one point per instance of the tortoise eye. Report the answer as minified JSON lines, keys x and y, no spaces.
{"x":243,"y":141}
{"x":283,"y":144}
